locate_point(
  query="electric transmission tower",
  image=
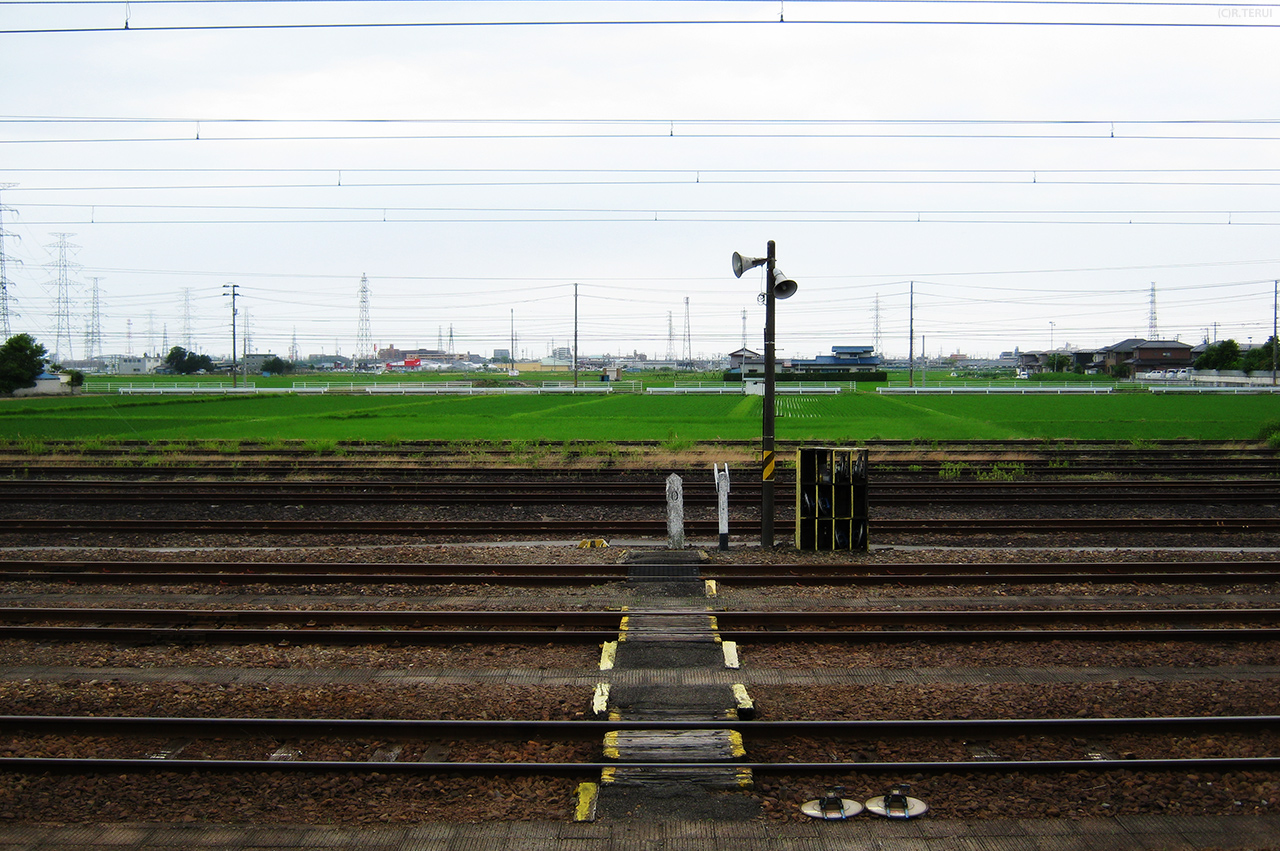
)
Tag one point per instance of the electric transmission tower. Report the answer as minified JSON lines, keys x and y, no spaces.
{"x":364,"y":336}
{"x":875,"y":332}
{"x":688,"y":333}
{"x":186,"y":318}
{"x":62,"y":349}
{"x":93,"y":339}
{"x":293,"y":346}
{"x":671,"y":338}
{"x":5,"y":330}
{"x":1152,"y":333}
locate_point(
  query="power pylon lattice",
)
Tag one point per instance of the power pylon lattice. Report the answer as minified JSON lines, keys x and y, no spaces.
{"x":186,"y":319}
{"x":93,"y":339}
{"x":364,"y":335}
{"x":62,"y":349}
{"x":5,"y":329}
{"x":688,"y":333}
{"x":1152,"y":332}
{"x":875,"y":332}
{"x":293,"y":346}
{"x":671,"y":337}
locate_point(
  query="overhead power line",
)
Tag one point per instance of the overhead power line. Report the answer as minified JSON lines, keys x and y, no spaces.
{"x":1242,"y":21}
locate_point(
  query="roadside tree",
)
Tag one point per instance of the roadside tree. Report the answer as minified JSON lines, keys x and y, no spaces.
{"x":21,"y":360}
{"x":1261,"y":359}
{"x":1222,"y":355}
{"x":184,"y":362}
{"x":276,"y":366}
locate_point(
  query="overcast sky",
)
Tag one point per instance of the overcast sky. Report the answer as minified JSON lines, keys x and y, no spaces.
{"x":1033,"y":179}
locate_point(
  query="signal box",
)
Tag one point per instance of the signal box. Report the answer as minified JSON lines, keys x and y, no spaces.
{"x":831,"y":499}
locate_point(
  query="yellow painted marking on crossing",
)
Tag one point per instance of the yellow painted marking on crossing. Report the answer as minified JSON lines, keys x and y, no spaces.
{"x":735,"y":743}
{"x":611,"y":745}
{"x":586,"y":808}
{"x":608,"y":655}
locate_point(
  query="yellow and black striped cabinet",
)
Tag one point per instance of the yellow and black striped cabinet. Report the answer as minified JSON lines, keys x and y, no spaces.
{"x":831,"y":499}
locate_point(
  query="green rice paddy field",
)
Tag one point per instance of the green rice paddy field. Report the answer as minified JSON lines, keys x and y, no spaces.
{"x":845,"y":418}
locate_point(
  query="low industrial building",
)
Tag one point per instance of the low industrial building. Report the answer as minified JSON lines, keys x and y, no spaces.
{"x":844,"y":363}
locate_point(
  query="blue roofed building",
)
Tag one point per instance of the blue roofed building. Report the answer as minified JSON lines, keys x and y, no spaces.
{"x":843,"y":363}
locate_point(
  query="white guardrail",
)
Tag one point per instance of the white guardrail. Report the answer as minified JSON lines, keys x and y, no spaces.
{"x":1234,"y":390}
{"x":791,"y":388}
{"x":947,"y":390}
{"x":431,"y":388}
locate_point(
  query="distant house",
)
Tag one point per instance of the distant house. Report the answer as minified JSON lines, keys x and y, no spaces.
{"x":1108,"y":358}
{"x":736,"y":359}
{"x":47,"y":384}
{"x":1161,"y":354}
{"x":1141,"y":356}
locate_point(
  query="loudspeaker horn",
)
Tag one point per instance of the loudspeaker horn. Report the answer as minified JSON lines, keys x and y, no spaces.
{"x":742,"y":264}
{"x":783,"y":287}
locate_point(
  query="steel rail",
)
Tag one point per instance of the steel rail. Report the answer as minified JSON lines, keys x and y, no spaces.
{"x":587,"y":769}
{"x":1118,"y":570}
{"x":578,"y":619}
{"x":122,"y":574}
{"x":644,"y":528}
{"x":1212,"y":471}
{"x":590,"y":730}
{"x":533,"y":492}
{"x":244,"y":636}
{"x":590,"y":579}
{"x":594,"y":730}
{"x":520,"y":481}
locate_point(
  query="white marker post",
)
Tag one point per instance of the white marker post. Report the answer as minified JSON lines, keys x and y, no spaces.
{"x":675,"y":512}
{"x":722,"y":502}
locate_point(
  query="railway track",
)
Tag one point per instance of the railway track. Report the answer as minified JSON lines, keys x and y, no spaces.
{"x":544,"y":575}
{"x":535,"y":491}
{"x":1065,"y":744}
{"x":425,"y":627}
{"x":425,"y":460}
{"x":416,"y":471}
{"x":329,"y":660}
{"x":502,"y":527}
